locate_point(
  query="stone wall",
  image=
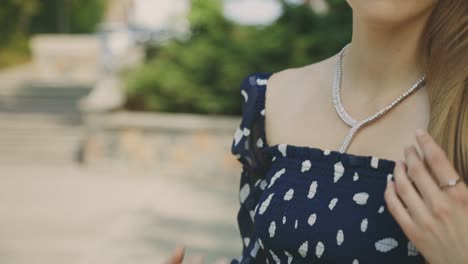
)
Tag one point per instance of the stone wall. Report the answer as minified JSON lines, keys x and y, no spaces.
{"x":162,"y":143}
{"x":66,"y":58}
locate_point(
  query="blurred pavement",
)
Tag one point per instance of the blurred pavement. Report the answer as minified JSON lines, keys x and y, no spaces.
{"x":53,"y":212}
{"x":70,"y":215}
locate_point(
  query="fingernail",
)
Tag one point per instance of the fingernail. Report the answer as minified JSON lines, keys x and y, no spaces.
{"x":398,"y":163}
{"x":401,"y":163}
{"x":420,"y":132}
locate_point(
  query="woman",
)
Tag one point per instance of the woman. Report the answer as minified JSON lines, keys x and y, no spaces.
{"x":386,"y":196}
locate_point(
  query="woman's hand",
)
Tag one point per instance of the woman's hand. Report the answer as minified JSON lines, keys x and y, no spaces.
{"x":179,"y":254}
{"x":434,"y":218}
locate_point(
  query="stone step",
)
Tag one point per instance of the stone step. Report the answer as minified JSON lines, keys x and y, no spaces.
{"x":28,"y":121}
{"x":49,"y":99}
{"x":41,"y":139}
{"x":20,"y":133}
{"x":38,"y":142}
{"x":46,"y":91}
{"x":39,"y":105}
{"x":34,"y":128}
{"x":38,"y":159}
{"x":8,"y":149}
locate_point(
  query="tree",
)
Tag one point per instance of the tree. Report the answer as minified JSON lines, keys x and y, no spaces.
{"x":202,"y":74}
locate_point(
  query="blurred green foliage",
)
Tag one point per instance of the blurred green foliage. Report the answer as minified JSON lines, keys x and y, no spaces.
{"x":21,"y":18}
{"x":68,"y":16}
{"x":15,"y":18}
{"x":203,"y":74}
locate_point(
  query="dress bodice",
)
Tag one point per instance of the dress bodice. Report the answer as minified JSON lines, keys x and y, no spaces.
{"x":302,"y":204}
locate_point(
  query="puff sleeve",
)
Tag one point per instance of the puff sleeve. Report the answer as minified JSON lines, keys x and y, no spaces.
{"x":249,"y":139}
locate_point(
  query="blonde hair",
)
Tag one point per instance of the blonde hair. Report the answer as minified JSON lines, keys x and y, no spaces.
{"x":445,"y":55}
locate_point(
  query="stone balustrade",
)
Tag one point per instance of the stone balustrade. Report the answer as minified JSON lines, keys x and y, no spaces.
{"x":191,"y":145}
{"x":67,"y":58}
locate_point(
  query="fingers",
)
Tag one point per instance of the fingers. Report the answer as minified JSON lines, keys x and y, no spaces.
{"x":421,"y":177}
{"x":178,"y":255}
{"x":435,"y":157}
{"x":408,"y":194}
{"x":196,"y":260}
{"x":398,"y":211}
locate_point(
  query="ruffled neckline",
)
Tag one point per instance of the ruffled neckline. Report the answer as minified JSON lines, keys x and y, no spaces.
{"x":330,"y":157}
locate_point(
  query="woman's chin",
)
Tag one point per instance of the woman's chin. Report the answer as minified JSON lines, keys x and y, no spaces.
{"x":390,"y":12}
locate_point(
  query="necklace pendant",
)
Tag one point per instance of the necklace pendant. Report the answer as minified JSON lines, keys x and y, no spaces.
{"x":355,"y":125}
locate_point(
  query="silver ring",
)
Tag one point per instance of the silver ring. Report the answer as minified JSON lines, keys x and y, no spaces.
{"x":450,"y":183}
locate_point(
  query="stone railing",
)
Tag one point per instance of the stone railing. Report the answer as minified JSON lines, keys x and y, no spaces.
{"x":66,"y":58}
{"x":197,"y":146}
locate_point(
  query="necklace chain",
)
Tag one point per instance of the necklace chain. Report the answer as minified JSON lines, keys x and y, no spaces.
{"x":355,"y":125}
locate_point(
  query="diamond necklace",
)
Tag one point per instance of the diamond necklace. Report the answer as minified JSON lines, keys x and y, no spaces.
{"x":355,"y":125}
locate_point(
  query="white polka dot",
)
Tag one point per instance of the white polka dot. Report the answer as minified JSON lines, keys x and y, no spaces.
{"x":361,"y":198}
{"x":260,"y":243}
{"x":238,"y":136}
{"x":319,"y":249}
{"x":262,"y":112}
{"x":364,"y":225}
{"x":355,"y":261}
{"x":386,"y":244}
{"x":246,"y":241}
{"x":290,"y":257}
{"x":303,"y":249}
{"x":375,"y":162}
{"x":244,"y":193}
{"x":305,"y":165}
{"x":265,"y":204}
{"x":254,"y":250}
{"x":257,"y":182}
{"x":339,"y":237}
{"x":339,"y":171}
{"x":284,"y":220}
{"x":282,"y":149}
{"x":262,"y":81}
{"x":326,"y":152}
{"x":259,"y":142}
{"x":246,"y":96}
{"x":276,"y":176}
{"x":412,"y":250}
{"x":312,"y":190}
{"x":272,"y":229}
{"x":295,"y":224}
{"x":332,"y":203}
{"x":381,"y":209}
{"x":263,"y":184}
{"x":275,"y":258}
{"x":389,"y":177}
{"x":246,"y":131}
{"x":312,"y":219}
{"x":289,"y":195}
{"x":356,"y":176}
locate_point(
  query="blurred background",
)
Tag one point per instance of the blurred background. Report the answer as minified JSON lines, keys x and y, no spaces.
{"x":117,"y":118}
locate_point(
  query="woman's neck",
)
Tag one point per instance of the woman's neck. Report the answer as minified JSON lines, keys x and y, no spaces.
{"x":383,"y":58}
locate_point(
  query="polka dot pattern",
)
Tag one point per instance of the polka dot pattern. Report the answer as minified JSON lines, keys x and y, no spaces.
{"x":301,"y":204}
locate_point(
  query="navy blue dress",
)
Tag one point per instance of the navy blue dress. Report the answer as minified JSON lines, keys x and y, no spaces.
{"x":301,"y":204}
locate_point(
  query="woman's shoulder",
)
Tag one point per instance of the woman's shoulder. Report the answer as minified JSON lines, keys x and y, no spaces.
{"x":307,"y":77}
{"x":291,"y":86}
